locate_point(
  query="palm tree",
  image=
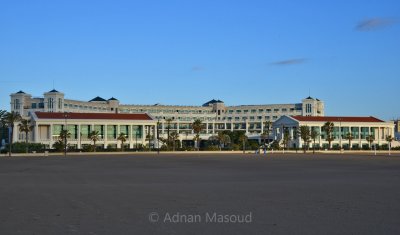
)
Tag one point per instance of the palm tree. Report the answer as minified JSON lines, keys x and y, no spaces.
{"x":389,"y":139}
{"x":63,"y":138}
{"x":328,"y":128}
{"x":174,"y":137}
{"x":169,"y":120}
{"x":94,"y":136}
{"x":25,"y":126}
{"x":370,"y":139}
{"x":264,"y":136}
{"x":2,"y":116}
{"x":3,"y":123}
{"x":314,"y":135}
{"x":223,"y":139}
{"x":349,"y":137}
{"x":286,"y":139}
{"x":197,"y":139}
{"x":243,"y":139}
{"x":197,"y":127}
{"x":122,"y":138}
{"x":267,"y":130}
{"x":9,"y":119}
{"x":304,"y":133}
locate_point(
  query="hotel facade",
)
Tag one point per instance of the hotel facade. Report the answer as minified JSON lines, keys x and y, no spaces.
{"x":51,"y":112}
{"x":359,"y":127}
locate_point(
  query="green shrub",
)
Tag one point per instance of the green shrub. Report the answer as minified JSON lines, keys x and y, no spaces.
{"x":20,"y":147}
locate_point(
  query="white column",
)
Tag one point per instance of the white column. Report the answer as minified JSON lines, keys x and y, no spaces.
{"x":162,"y":127}
{"x":143,"y":134}
{"x":118,"y":131}
{"x":177,"y":126}
{"x":130,"y":129}
{"x":36,"y":134}
{"x":79,"y":136}
{"x":15,"y":133}
{"x":105,"y":136}
{"x":207,"y":127}
{"x":231,"y":125}
{"x":262,"y":127}
{"x":51,"y":135}
{"x":213,"y":127}
{"x":247,"y":127}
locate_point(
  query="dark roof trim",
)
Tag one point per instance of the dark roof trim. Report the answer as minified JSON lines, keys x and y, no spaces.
{"x":97,"y":98}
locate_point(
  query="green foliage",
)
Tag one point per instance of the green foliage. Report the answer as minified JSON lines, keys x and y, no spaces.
{"x":20,"y":147}
{"x":58,"y":145}
{"x":212,"y":148}
{"x":305,"y":135}
{"x":328,"y":128}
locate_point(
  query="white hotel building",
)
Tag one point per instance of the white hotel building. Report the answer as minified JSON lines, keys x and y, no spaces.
{"x":359,"y":127}
{"x":140,"y":121}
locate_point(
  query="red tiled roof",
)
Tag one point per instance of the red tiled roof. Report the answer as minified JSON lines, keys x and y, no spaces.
{"x":108,"y":116}
{"x":336,"y":119}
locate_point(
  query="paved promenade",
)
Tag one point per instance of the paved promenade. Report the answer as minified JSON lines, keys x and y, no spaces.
{"x":204,"y":193}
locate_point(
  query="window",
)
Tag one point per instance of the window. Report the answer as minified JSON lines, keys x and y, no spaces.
{"x":261,"y":110}
{"x":268,"y":110}
{"x":60,"y":103}
{"x":276,"y":110}
{"x":308,"y":108}
{"x":16,"y":104}
{"x":275,"y":117}
{"x":238,"y":111}
{"x":253,"y":110}
{"x":259,"y":117}
{"x":50,"y":103}
{"x":33,"y":105}
{"x":284,"y":110}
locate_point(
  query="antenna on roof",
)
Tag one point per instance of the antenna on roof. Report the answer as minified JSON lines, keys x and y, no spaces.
{"x":309,"y":92}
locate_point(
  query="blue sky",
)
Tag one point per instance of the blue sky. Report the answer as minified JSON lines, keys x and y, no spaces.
{"x":346,"y":53}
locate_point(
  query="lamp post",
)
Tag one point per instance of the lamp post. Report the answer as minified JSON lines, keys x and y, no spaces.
{"x":80,"y":140}
{"x":340,"y":133}
{"x":65,"y":134}
{"x":136,"y":138}
{"x":158,"y":136}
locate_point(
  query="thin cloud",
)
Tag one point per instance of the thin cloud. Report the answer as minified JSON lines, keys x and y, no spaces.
{"x":197,"y":68}
{"x":374,"y":24}
{"x":290,"y":61}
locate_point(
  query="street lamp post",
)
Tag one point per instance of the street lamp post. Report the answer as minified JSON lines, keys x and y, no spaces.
{"x":340,"y":133}
{"x":65,"y":134}
{"x":136,"y":139}
{"x":158,"y":136}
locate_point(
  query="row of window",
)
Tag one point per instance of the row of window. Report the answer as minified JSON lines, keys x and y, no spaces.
{"x":251,"y":118}
{"x":74,"y":106}
{"x":166,"y":111}
{"x":231,"y":111}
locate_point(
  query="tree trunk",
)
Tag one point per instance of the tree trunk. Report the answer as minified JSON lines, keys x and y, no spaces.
{"x":10,"y":141}
{"x":26,"y":141}
{"x":313,"y":147}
